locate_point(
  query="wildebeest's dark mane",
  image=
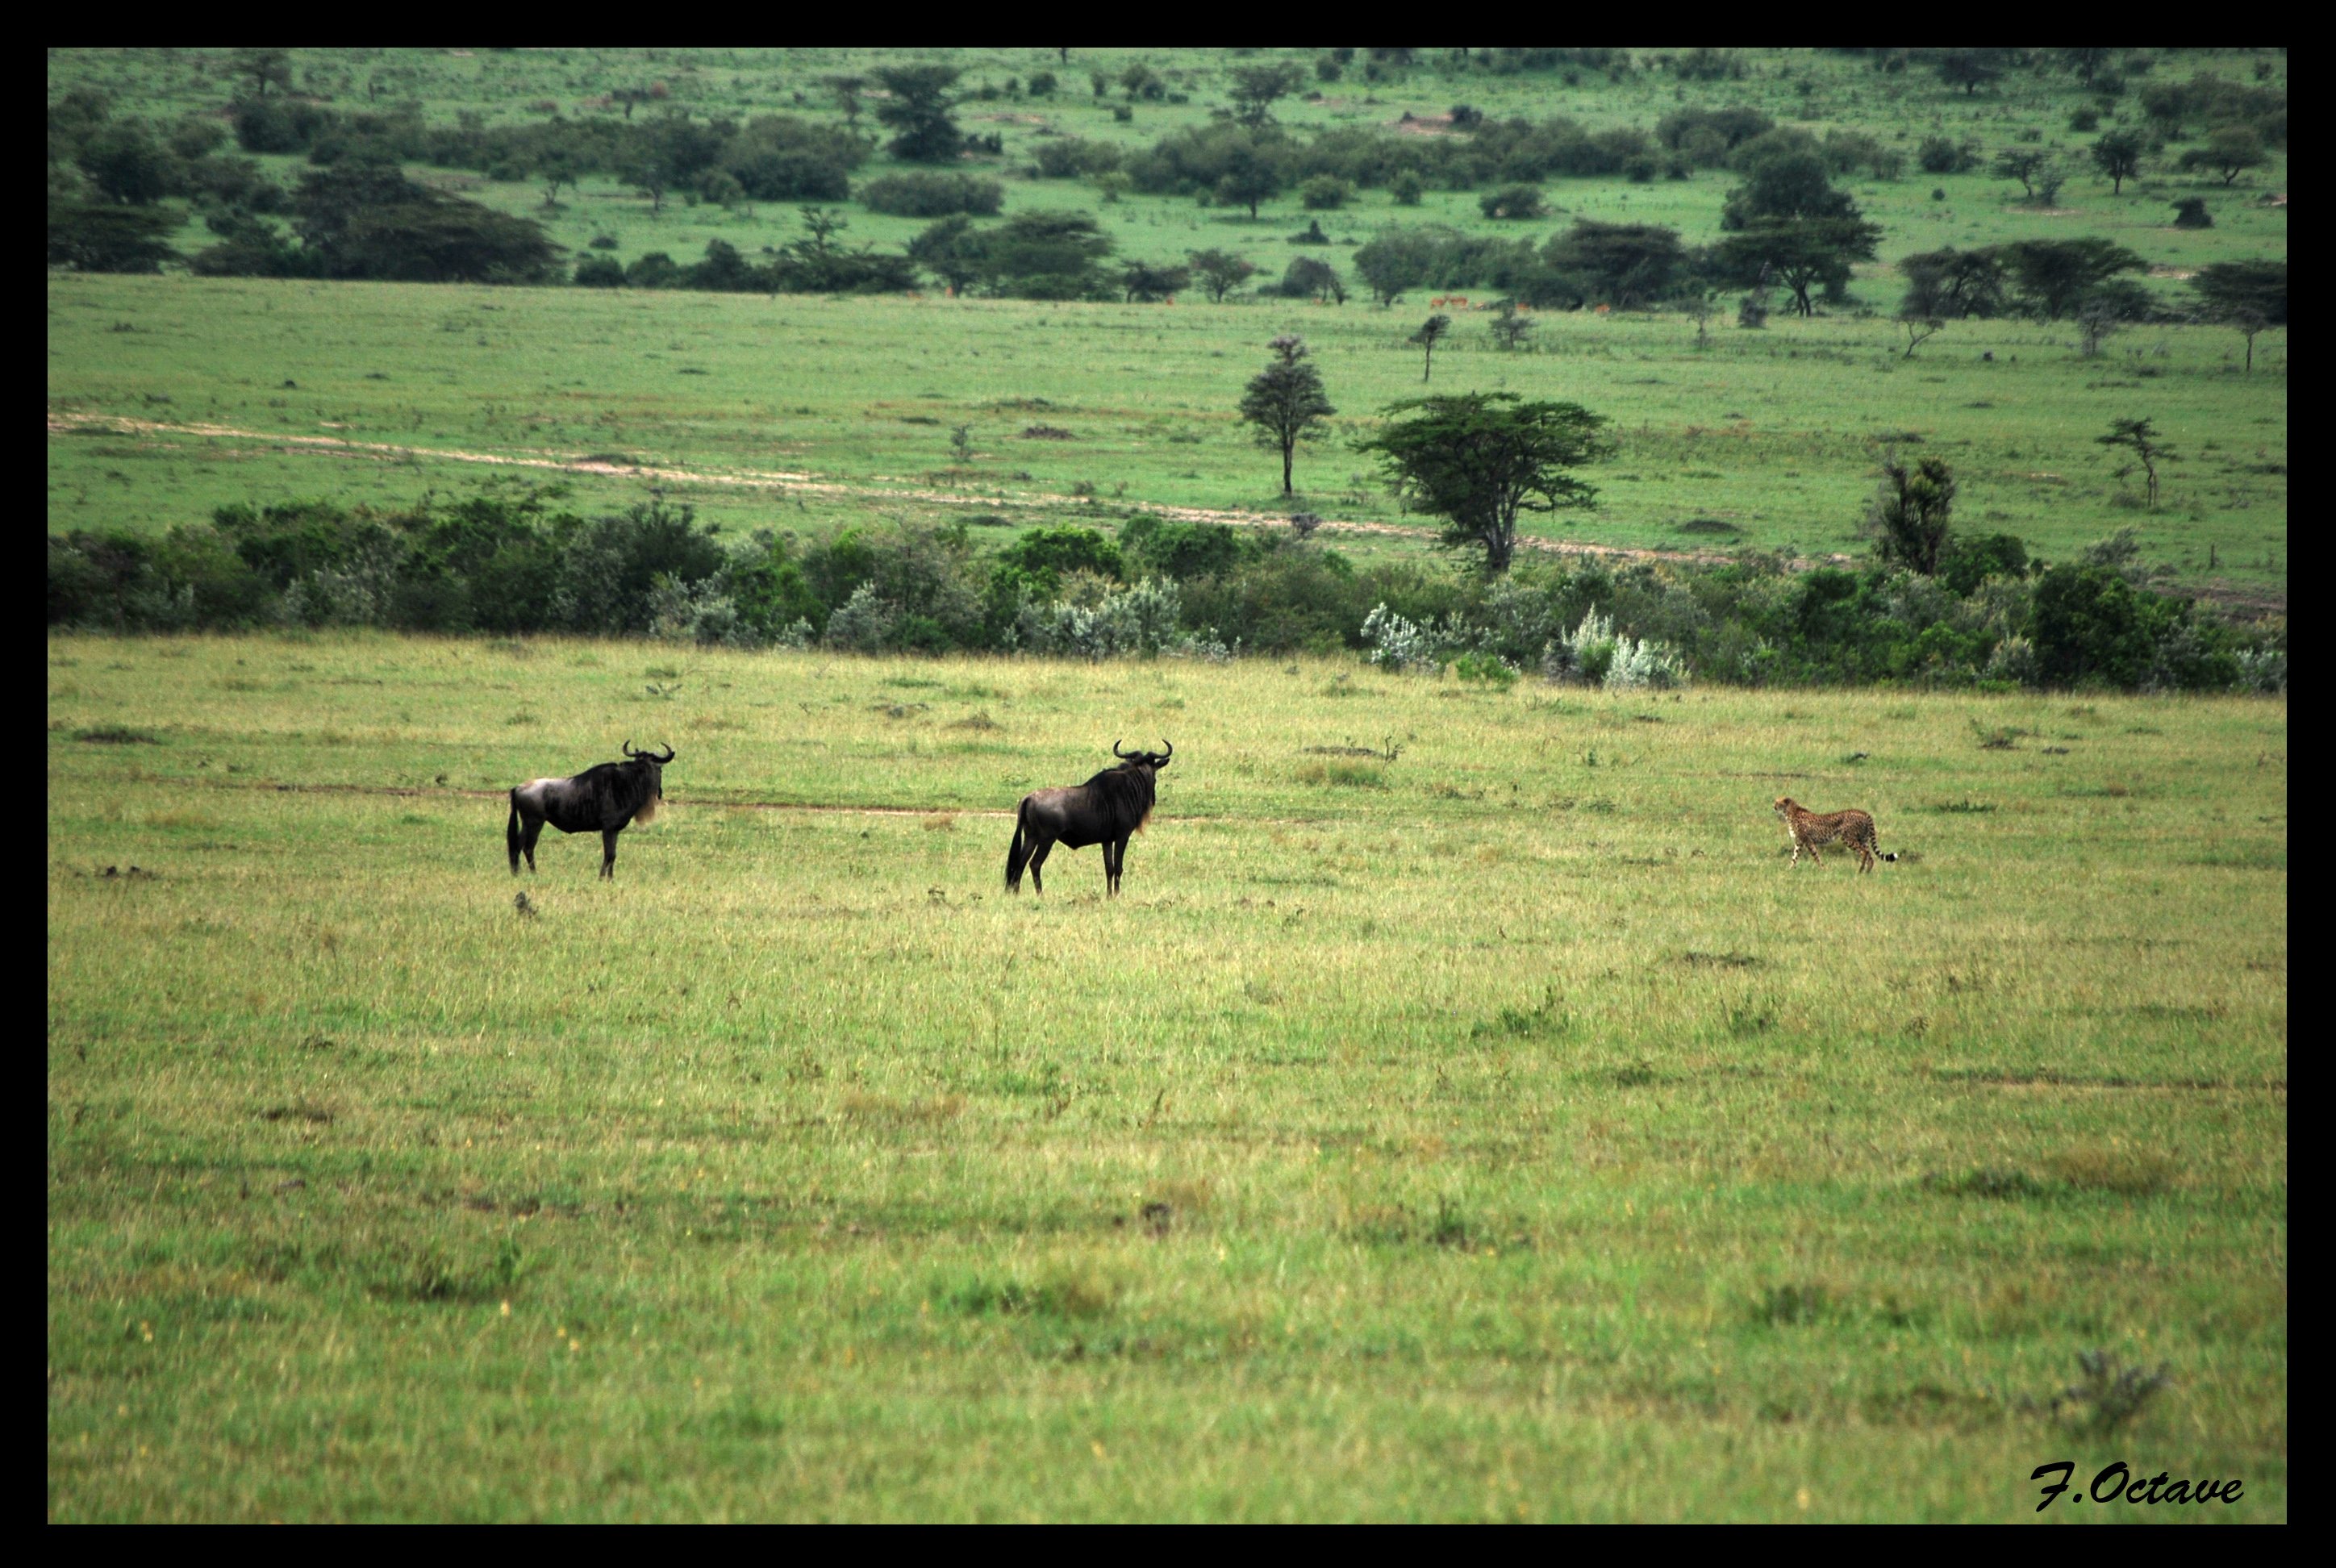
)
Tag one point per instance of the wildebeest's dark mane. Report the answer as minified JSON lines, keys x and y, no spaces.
{"x":1126,"y":791}
{"x":630,"y":786}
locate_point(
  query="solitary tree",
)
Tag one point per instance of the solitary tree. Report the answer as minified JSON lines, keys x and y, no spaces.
{"x":1431,"y":332}
{"x":2249,"y":295}
{"x":2249,"y":325}
{"x":1286,"y":402}
{"x":2118,"y":156}
{"x":2141,"y":440}
{"x":1911,"y":519}
{"x":917,"y":112}
{"x":1221,"y":271}
{"x":1919,"y":329}
{"x":1479,"y":459}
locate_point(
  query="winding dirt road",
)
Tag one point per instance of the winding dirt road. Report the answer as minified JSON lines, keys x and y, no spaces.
{"x":784,"y":482}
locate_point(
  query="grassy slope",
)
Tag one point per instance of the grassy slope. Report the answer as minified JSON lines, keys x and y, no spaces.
{"x":1772,"y":434}
{"x":1814,"y":394}
{"x":1534,"y":1141}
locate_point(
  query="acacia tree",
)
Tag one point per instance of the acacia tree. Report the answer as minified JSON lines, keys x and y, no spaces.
{"x":1141,"y":281}
{"x":1431,"y":332}
{"x":1480,"y":459}
{"x":1255,"y":171}
{"x":2118,"y":156}
{"x":918,"y":111}
{"x":952,"y":250}
{"x":265,"y":67}
{"x":1970,"y":69}
{"x":2031,"y":166}
{"x":1918,"y":329}
{"x":1787,"y":223}
{"x":1255,"y":89}
{"x":2137,"y":436}
{"x":1286,"y":401}
{"x":846,"y":90}
{"x":2231,"y":151}
{"x":1801,"y":252}
{"x":1221,"y":271}
{"x":1509,"y":326}
{"x":2249,"y":295}
{"x":1911,"y":515}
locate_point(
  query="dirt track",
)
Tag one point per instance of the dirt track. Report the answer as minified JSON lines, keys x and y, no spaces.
{"x":790,"y":483}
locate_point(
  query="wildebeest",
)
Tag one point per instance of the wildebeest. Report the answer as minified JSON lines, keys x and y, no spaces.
{"x":1107,"y":810}
{"x":601,"y":800}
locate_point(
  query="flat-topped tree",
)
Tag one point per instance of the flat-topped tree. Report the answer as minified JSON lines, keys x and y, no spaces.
{"x":1479,"y":459}
{"x":2247,"y":295}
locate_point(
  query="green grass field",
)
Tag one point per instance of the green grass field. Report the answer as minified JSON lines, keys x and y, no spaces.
{"x":1503,"y":1131}
{"x":809,"y":414}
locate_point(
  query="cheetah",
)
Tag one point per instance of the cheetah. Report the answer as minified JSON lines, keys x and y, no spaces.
{"x":1807,"y":829}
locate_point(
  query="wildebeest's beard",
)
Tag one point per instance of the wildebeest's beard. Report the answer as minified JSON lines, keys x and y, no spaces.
{"x":652,"y":798}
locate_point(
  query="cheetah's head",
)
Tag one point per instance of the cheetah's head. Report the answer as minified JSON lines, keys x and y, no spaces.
{"x":1786,"y":806}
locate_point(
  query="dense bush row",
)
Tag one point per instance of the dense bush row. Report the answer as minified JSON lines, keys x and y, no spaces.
{"x":515,"y":561}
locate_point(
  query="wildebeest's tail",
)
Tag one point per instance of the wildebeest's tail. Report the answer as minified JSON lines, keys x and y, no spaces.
{"x":1018,"y":853}
{"x":510,"y":832}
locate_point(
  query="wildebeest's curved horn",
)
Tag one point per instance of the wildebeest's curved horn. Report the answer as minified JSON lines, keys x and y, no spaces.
{"x":665,"y":759}
{"x":1170,"y":744}
{"x":1116,"y":751}
{"x":627,"y":749}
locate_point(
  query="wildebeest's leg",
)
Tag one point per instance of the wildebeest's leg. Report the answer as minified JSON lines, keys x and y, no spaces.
{"x":609,"y":853}
{"x":1038,"y":858}
{"x":1118,"y":863}
{"x":533,"y":832}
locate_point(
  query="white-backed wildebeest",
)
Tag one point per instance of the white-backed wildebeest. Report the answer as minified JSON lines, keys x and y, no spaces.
{"x":600,"y":800}
{"x":1107,"y":810}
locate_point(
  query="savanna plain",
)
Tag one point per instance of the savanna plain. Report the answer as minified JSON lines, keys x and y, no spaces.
{"x":1479,"y":1118}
